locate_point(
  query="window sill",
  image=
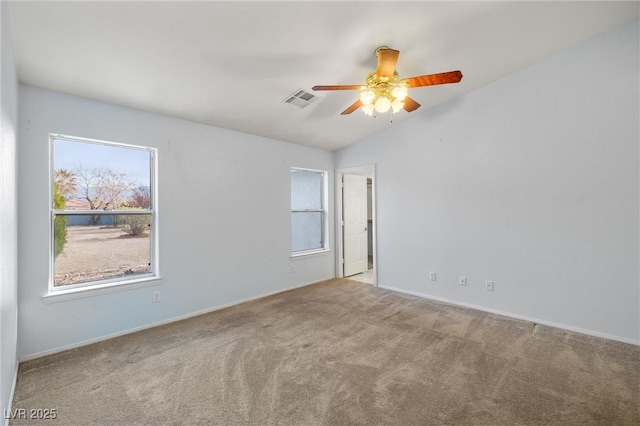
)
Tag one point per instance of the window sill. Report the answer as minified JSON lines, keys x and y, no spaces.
{"x":309,"y":253}
{"x":98,"y":289}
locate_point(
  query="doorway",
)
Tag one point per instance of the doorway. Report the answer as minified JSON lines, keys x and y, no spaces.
{"x":356,"y":251}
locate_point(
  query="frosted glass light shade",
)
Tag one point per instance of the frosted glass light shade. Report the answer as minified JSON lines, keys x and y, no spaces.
{"x":368,"y":109}
{"x":382,"y":104}
{"x":367,"y":96}
{"x":399,"y":92}
{"x":397,"y":105}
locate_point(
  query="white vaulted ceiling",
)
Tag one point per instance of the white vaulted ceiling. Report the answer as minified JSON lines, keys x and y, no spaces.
{"x":231,"y":64}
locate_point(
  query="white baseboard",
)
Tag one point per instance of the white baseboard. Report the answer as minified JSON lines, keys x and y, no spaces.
{"x":159,"y":323}
{"x":516,"y":316}
{"x":13,"y":391}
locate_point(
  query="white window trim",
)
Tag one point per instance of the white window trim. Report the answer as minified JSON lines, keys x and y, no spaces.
{"x":325,"y":216}
{"x":93,"y":288}
{"x":302,"y":253}
{"x":105,"y":288}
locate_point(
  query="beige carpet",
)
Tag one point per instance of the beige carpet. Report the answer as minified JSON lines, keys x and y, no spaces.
{"x":339,"y":352}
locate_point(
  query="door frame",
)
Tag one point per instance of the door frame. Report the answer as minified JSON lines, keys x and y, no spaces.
{"x":368,"y":170}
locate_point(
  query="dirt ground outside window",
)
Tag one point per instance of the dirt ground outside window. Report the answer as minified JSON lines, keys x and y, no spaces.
{"x":96,"y":252}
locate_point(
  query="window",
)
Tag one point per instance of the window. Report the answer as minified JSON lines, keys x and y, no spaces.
{"x":308,"y":213}
{"x":102,"y":213}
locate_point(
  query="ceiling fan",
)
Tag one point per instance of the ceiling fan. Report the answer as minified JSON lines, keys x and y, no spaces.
{"x":384,"y":90}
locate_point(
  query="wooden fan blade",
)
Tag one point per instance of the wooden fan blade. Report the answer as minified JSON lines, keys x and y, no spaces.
{"x":357,"y":104}
{"x":352,"y":87}
{"x":387,"y":59}
{"x":410,"y":104}
{"x":433,"y":79}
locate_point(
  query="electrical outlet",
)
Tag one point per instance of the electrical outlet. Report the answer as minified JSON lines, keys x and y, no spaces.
{"x":293,"y":269}
{"x":156,"y":296}
{"x":488,"y":285}
{"x":432,"y":275}
{"x":463,"y":280}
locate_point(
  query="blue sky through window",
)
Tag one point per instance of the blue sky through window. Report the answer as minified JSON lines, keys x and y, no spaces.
{"x":135,"y":163}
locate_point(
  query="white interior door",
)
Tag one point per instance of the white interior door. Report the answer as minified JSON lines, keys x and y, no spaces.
{"x":354,"y":206}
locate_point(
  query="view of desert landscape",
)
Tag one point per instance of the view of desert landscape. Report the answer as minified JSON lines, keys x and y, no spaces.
{"x":100,"y":252}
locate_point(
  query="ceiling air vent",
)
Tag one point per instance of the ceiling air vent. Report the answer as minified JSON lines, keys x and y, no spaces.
{"x":300,"y":98}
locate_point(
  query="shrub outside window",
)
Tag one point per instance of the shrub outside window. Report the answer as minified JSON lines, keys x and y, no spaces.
{"x":308,"y":212}
{"x":102,"y":212}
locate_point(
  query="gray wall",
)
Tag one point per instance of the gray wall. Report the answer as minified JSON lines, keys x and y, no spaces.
{"x":224,"y":219}
{"x":532,"y":182}
{"x":8,"y":212}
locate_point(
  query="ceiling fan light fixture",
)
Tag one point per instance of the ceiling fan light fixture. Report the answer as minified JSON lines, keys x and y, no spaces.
{"x":400,"y":92}
{"x":397,"y":105}
{"x":382,"y":98}
{"x":367,"y":96}
{"x":368,"y":109}
{"x":384,"y":90}
{"x":382,"y":104}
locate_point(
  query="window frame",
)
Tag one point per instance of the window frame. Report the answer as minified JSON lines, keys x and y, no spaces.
{"x":99,"y":286}
{"x":324,"y":232}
